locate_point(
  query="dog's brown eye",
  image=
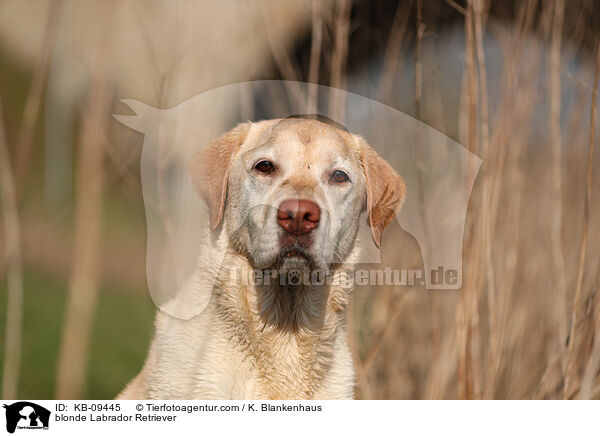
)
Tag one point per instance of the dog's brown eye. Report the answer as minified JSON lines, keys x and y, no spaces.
{"x":264,"y":166}
{"x":339,"y":176}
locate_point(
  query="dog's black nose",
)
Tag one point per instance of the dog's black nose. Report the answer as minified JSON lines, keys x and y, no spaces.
{"x":298,"y":216}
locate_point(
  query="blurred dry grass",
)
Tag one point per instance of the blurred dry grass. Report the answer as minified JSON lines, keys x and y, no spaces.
{"x":526,"y":323}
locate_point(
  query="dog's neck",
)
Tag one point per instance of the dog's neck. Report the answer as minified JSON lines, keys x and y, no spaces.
{"x":285,"y":329}
{"x":276,"y":304}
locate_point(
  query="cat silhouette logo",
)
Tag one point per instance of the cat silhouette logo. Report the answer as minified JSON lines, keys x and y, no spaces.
{"x":26,"y":415}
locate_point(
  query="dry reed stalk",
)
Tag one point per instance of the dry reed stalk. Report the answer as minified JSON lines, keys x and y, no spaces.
{"x":166,"y":150}
{"x":509,"y":130}
{"x":12,"y":258}
{"x":496,"y":155}
{"x":352,"y":335}
{"x":556,"y":143}
{"x":84,"y":277}
{"x":418,"y":60}
{"x":435,"y":329}
{"x":315,"y":58}
{"x":457,"y":7}
{"x":461,"y":317}
{"x":83,"y":291}
{"x":503,"y":129}
{"x":525,"y":105}
{"x":569,"y":371}
{"x":446,"y":372}
{"x":586,"y":8}
{"x":377,"y":315}
{"x":593,"y":364}
{"x":521,"y":108}
{"x":163,"y":90}
{"x":391,"y":56}
{"x":121,"y":166}
{"x":546,"y":384}
{"x":34,"y":97}
{"x":418,"y":98}
{"x":432,"y":391}
{"x":373,"y":351}
{"x":396,"y":306}
{"x":338,"y":58}
{"x":468,"y":316}
{"x":506,"y":285}
{"x":479,"y":11}
{"x":284,"y":63}
{"x":150,"y":50}
{"x":355,"y":326}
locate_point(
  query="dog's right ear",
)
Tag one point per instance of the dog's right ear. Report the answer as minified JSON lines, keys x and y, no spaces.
{"x":386,"y":190}
{"x":210,"y":167}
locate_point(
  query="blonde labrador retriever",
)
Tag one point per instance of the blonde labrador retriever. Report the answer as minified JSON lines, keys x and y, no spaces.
{"x":285,"y":197}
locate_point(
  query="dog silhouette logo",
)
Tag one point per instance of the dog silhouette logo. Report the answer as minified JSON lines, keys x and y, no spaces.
{"x":439,"y":174}
{"x":26,"y":415}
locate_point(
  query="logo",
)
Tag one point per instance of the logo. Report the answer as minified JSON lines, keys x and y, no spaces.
{"x":26,"y":415}
{"x":439,"y":173}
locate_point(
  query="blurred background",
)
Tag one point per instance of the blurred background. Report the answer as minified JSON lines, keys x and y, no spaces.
{"x":515,"y":82}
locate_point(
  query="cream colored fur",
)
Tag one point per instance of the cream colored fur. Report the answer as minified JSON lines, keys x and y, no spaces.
{"x":269,"y":341}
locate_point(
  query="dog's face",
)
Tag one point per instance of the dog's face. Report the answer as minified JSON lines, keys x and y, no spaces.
{"x":290,"y":192}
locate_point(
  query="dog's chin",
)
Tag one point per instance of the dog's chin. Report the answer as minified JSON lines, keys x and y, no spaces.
{"x":284,"y":259}
{"x":293,"y":268}
{"x":295,"y":257}
{"x":294,"y":263}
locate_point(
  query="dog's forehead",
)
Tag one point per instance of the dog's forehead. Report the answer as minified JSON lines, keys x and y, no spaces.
{"x":302,"y":136}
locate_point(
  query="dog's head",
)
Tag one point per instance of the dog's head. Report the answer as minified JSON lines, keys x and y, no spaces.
{"x":290,"y":192}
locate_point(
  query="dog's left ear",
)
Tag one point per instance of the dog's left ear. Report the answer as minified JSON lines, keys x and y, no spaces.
{"x":385,"y":190}
{"x":210,"y":167}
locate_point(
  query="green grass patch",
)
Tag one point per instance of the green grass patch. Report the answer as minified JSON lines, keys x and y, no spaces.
{"x":121,"y":335}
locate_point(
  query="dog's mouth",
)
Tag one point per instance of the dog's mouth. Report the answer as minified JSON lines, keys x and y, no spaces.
{"x":296,"y":257}
{"x":295,"y":251}
{"x":295,"y":246}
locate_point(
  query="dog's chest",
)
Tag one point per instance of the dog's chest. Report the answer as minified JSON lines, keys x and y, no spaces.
{"x":232,"y":370}
{"x":209,"y":357}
